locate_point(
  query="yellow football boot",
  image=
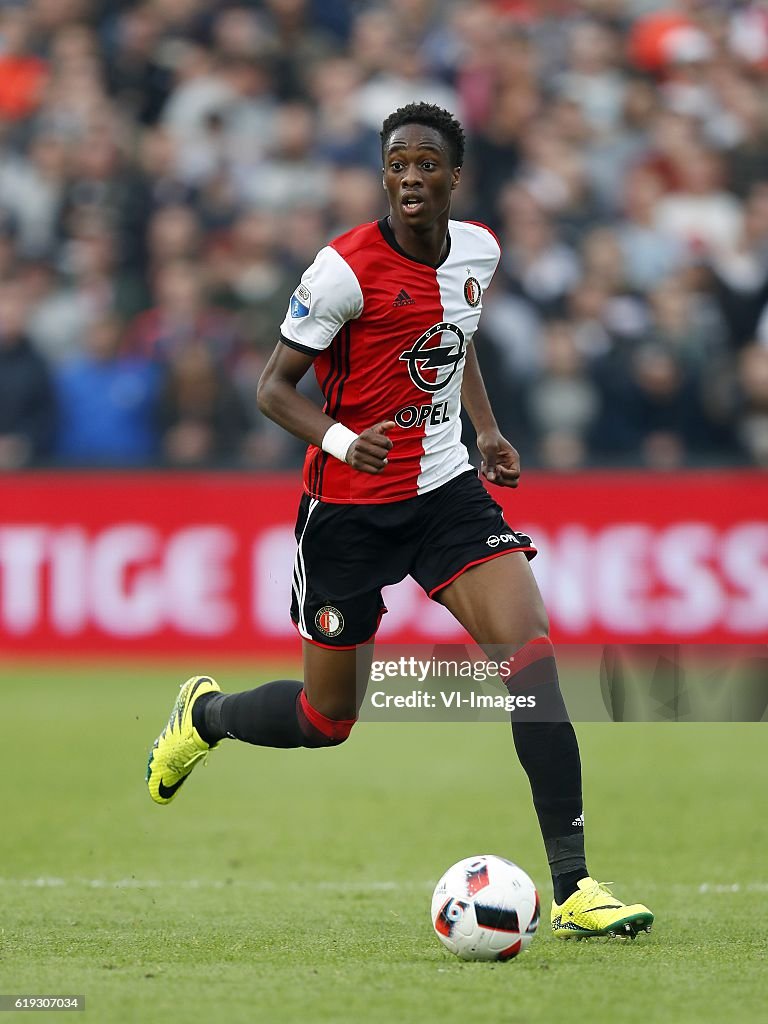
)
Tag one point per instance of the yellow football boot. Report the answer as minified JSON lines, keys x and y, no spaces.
{"x":179,"y":746}
{"x":594,"y":910}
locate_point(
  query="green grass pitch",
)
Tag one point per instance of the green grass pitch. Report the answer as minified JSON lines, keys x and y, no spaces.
{"x":294,"y":886}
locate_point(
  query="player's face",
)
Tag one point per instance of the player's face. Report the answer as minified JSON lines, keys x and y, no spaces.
{"x":419,"y":176}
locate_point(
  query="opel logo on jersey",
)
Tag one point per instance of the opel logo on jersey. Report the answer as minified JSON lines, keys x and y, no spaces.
{"x":439,"y":361}
{"x":472,"y":291}
{"x":416,"y":416}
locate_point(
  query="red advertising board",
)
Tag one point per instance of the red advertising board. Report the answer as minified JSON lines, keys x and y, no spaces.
{"x":150,"y":563}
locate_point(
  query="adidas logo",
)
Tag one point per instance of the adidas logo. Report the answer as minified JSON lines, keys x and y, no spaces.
{"x":403,"y":299}
{"x":578,"y":822}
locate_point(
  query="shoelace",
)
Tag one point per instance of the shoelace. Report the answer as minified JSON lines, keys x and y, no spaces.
{"x":178,"y":764}
{"x":604,"y":887}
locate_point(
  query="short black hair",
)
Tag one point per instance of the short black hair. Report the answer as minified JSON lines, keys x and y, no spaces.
{"x":433,"y":117}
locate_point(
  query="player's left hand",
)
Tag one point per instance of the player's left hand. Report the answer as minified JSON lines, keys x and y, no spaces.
{"x":500,"y":461}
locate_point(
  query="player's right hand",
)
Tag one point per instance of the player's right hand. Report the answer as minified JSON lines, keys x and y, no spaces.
{"x":369,"y":452}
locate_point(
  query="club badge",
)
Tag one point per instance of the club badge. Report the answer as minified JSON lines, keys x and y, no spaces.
{"x":329,"y":620}
{"x":472,"y":291}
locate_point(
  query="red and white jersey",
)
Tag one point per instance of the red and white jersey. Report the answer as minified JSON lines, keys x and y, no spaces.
{"x":390,"y":334}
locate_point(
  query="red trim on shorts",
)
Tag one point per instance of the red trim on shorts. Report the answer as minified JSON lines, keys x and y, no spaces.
{"x":478,"y":561}
{"x":333,"y":728}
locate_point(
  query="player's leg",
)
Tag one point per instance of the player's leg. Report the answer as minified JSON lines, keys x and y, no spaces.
{"x":319,"y":712}
{"x":499,"y":604}
{"x":475,"y":564}
{"x":336,"y":608}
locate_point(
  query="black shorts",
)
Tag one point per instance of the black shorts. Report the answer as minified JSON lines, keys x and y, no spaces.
{"x":347,"y":553}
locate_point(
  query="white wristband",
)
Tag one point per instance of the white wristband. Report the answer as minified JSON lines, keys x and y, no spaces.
{"x":338,"y":440}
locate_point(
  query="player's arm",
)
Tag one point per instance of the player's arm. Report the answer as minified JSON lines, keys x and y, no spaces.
{"x":279,"y":400}
{"x":500,"y":461}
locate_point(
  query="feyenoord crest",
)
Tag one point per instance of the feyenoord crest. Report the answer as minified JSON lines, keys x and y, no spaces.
{"x":472,"y":291}
{"x":329,"y":620}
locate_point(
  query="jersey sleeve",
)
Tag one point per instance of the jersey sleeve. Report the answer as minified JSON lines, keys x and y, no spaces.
{"x":490,"y":248}
{"x":329,"y":295}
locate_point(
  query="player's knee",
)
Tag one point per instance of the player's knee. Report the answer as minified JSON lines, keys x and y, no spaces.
{"x":532,"y":631}
{"x":531,"y":625}
{"x":318,"y":740}
{"x":531,"y":628}
{"x":321,"y":730}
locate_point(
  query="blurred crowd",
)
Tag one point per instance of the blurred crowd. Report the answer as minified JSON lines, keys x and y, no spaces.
{"x":168,"y":169}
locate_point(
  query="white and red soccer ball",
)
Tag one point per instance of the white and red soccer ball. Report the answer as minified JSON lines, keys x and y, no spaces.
{"x":485,"y":908}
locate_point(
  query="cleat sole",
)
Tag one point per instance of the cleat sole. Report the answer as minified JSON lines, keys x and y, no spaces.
{"x":630,"y":927}
{"x":627,"y":928}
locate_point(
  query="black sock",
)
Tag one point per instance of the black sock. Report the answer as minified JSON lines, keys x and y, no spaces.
{"x":265,"y":716}
{"x":549,"y":753}
{"x":566,"y":884}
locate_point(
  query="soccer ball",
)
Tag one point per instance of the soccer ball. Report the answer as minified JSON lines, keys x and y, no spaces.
{"x":485,"y":908}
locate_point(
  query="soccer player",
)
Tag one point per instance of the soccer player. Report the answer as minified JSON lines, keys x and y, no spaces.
{"x":386,"y":315}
